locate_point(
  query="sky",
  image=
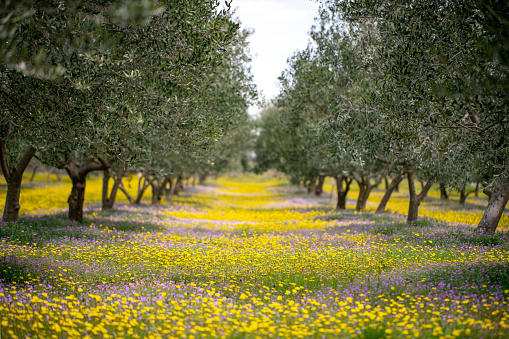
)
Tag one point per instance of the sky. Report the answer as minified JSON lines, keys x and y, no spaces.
{"x":280,"y":28}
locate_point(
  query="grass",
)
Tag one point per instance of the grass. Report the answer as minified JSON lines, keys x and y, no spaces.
{"x":217,"y":263}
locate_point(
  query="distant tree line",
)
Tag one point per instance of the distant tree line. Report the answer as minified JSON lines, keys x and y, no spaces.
{"x":156,"y":88}
{"x":388,"y":90}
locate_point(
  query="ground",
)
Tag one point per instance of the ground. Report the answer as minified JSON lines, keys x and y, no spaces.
{"x":250,"y":257}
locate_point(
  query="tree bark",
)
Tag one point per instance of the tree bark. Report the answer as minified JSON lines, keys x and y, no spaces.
{"x":158,"y":188}
{"x":78,"y":174}
{"x":388,"y":192}
{"x":77,"y":198}
{"x":415,"y":199}
{"x":443,"y":192}
{"x":179,"y":187}
{"x":498,"y":197}
{"x":13,"y":176}
{"x":342,"y":192}
{"x":319,"y":186}
{"x":123,"y":190}
{"x":365,"y":188}
{"x":143,"y":184}
{"x":108,"y":199}
{"x":464,"y":194}
{"x":34,"y":172}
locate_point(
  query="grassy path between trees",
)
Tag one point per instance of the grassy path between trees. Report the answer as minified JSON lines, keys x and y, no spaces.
{"x":250,"y":258}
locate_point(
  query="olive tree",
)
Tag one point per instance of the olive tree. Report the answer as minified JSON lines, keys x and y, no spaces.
{"x":445,"y":67}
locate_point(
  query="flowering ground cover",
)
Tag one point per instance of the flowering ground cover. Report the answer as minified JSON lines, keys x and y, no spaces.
{"x":251,"y":258}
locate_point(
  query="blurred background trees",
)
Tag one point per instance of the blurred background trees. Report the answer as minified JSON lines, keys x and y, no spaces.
{"x":118,"y":87}
{"x":384,"y":92}
{"x":395,"y":89}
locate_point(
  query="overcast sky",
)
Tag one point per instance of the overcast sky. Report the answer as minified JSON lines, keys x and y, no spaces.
{"x":281,"y":28}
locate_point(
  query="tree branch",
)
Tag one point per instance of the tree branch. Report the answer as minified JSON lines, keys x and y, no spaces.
{"x":24,"y":161}
{"x":425,"y":190}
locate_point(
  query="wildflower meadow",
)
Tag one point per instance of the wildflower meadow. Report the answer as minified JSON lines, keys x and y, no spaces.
{"x":249,"y":257}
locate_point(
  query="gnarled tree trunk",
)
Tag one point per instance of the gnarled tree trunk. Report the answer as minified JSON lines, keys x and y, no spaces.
{"x":143,"y":183}
{"x":13,"y":175}
{"x":443,"y":192}
{"x":365,"y":188}
{"x":415,"y":199}
{"x":179,"y":185}
{"x":34,"y":172}
{"x":464,"y":194}
{"x":77,"y":198}
{"x":498,"y":196}
{"x":388,"y":192}
{"x":108,"y":199}
{"x":342,"y":191}
{"x":319,"y":186}
{"x":78,"y":174}
{"x":158,"y":189}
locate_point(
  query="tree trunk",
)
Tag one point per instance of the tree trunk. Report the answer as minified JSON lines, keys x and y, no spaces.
{"x":342,"y":192}
{"x":13,"y":176}
{"x":498,"y":197}
{"x":108,"y":199}
{"x":361,"y":199}
{"x":77,"y":198}
{"x":365,"y":188}
{"x":122,"y":188}
{"x":463,"y":195}
{"x":443,"y":192}
{"x":388,"y":192}
{"x":476,"y":193}
{"x":12,"y":206}
{"x":179,"y":187}
{"x":319,"y":187}
{"x":78,"y":174}
{"x":415,"y":199}
{"x":202,"y":178}
{"x":158,"y":186}
{"x":143,"y":184}
{"x":386,"y":181}
{"x":34,"y":172}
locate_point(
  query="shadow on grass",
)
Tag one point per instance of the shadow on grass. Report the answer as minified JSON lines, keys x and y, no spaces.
{"x":37,"y":230}
{"x":494,"y":277}
{"x":14,"y":270}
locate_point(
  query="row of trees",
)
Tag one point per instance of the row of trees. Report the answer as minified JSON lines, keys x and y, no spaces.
{"x":395,"y":89}
{"x":159,"y":88}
